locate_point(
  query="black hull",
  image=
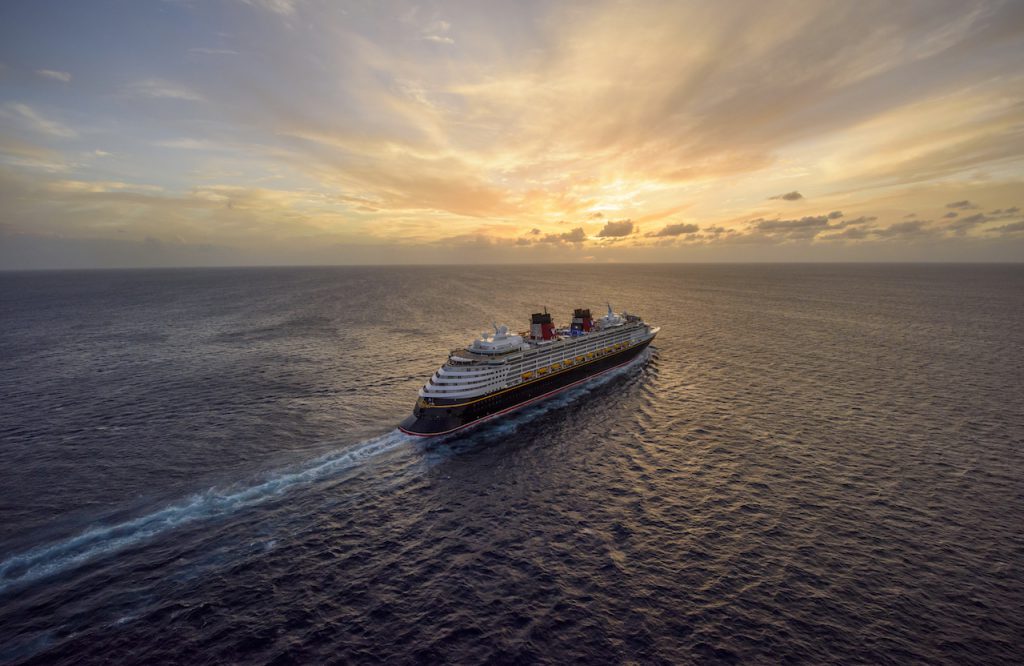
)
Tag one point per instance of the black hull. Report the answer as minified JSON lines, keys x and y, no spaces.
{"x":441,"y":419}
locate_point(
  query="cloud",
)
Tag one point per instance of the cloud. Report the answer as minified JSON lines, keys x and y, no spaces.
{"x":29,"y":117}
{"x":903,"y":229}
{"x":810,"y":222}
{"x":675,"y":230}
{"x":616,"y":229}
{"x":160,"y":89}
{"x":98,"y":186}
{"x":789,"y":196}
{"x":835,"y":215}
{"x":207,"y":51}
{"x":577,"y":235}
{"x":807,"y":228}
{"x":438,"y":39}
{"x":1013,"y":227}
{"x":853,"y":233}
{"x":437,"y":32}
{"x":16,"y":152}
{"x":186,"y":144}
{"x":477,"y":240}
{"x":35,"y":251}
{"x":964,"y":205}
{"x":63,"y":77}
{"x":855,"y":221}
{"x":965,"y":224}
{"x":279,"y":7}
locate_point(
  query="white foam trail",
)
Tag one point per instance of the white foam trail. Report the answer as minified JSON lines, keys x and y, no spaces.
{"x":64,"y":555}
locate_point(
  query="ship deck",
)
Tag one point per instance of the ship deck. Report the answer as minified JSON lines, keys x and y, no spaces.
{"x":466,"y":354}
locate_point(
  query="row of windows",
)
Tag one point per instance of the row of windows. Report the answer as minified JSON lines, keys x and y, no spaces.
{"x":566,"y":364}
{"x":568,"y":353}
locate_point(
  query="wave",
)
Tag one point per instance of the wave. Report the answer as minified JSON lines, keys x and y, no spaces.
{"x":44,"y":561}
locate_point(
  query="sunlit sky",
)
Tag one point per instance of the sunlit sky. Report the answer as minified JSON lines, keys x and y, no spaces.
{"x":250,"y":132}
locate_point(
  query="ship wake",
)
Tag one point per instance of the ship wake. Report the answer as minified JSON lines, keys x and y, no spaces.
{"x":97,"y":542}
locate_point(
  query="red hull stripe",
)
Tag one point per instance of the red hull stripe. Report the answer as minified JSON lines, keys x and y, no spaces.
{"x":519,"y":406}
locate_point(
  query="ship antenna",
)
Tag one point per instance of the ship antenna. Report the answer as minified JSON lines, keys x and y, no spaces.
{"x":610,"y":313}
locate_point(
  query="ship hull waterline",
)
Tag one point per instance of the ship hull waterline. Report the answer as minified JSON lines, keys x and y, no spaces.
{"x":445,"y":420}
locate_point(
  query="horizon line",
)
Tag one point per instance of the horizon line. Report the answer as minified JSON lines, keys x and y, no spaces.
{"x":55,"y":269}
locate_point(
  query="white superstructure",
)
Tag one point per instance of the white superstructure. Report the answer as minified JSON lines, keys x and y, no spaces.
{"x":499,"y":361}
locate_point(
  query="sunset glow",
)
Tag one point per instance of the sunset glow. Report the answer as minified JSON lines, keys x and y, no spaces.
{"x":293,"y":132}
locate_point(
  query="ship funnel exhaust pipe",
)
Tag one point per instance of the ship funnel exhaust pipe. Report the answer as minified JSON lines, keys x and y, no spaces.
{"x":541,"y":326}
{"x":582,"y":322}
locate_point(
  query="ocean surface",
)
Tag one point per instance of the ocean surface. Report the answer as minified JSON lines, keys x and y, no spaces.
{"x":812,"y":464}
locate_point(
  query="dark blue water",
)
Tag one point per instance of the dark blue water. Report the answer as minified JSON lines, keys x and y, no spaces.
{"x":814,"y":464}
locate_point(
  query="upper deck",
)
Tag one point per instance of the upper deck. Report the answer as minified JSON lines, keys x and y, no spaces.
{"x":565,"y":338}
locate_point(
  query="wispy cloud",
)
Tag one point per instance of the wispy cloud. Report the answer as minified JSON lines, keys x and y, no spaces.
{"x":32,"y":119}
{"x":280,"y":7}
{"x":17,"y":152}
{"x":437,"y":32}
{"x":160,"y":89}
{"x":208,"y":51}
{"x":55,"y":75}
{"x":186,"y":144}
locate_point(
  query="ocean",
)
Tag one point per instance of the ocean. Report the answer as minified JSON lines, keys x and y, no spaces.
{"x":812,"y":464}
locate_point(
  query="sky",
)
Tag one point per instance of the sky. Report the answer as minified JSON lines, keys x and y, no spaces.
{"x":294,"y":132}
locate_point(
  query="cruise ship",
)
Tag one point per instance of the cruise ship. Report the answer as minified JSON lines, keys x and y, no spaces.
{"x":500,"y":372}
